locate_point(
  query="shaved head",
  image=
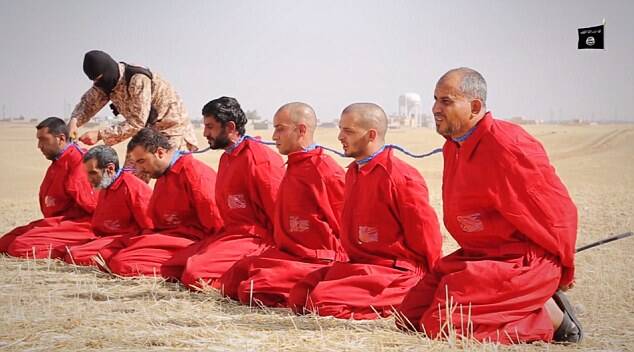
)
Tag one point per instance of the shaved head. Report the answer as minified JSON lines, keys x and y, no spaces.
{"x":369,"y":115}
{"x":300,"y":113}
{"x":362,"y":129}
{"x":294,"y":125}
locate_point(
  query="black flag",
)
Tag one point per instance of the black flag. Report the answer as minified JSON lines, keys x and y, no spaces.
{"x":591,"y":37}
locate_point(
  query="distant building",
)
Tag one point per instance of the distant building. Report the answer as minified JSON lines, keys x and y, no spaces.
{"x":409,"y":113}
{"x":331,"y":124}
{"x":524,"y":121}
{"x":261,"y":125}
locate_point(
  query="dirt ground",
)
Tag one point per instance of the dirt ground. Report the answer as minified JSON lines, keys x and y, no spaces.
{"x":46,"y":305}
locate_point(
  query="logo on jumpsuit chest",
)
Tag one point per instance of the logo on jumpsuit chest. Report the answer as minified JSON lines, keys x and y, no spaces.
{"x":470,"y":222}
{"x":298,"y":224}
{"x":49,"y":201}
{"x":236,"y":201}
{"x":368,"y":234}
{"x":172,"y":218}
{"x":112,"y":224}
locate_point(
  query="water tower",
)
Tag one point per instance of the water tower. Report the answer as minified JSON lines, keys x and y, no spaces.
{"x":409,"y":109}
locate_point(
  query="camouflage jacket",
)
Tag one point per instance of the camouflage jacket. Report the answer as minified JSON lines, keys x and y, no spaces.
{"x":134,"y":101}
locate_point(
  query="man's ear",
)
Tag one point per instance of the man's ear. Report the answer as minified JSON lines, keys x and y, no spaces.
{"x":372,"y":134}
{"x":476,"y":107}
{"x":230,"y":127}
{"x":160,"y":152}
{"x":302,"y":129}
{"x":111,"y":169}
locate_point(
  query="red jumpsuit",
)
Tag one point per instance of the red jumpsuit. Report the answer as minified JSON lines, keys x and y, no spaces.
{"x":67,"y":201}
{"x":248,"y":179}
{"x":516,"y":226}
{"x":306,"y":235}
{"x":184,"y":213}
{"x":391,"y":235}
{"x":121,"y":213}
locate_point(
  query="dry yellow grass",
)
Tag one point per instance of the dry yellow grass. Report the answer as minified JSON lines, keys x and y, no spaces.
{"x":47,"y":305}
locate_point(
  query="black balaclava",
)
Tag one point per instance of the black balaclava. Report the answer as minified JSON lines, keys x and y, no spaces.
{"x":97,"y":62}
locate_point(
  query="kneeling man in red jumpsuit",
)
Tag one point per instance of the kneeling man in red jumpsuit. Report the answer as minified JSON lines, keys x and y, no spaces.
{"x":307,"y":216}
{"x":388,"y":229}
{"x":121,"y":207}
{"x":182,"y":207}
{"x":514,"y":221}
{"x":67,"y":200}
{"x":249,"y":175}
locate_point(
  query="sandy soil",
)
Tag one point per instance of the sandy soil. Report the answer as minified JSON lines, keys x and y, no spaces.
{"x":48,"y":305}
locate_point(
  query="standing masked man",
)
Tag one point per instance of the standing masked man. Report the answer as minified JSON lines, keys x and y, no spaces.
{"x":141,"y":96}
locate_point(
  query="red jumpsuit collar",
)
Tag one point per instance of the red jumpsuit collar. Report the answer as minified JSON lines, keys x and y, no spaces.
{"x":380,"y":159}
{"x":469,"y":145}
{"x":299,"y":156}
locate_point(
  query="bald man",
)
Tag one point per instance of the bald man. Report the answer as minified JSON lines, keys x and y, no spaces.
{"x":388,"y":229}
{"x":307,"y":216}
{"x":514,"y":221}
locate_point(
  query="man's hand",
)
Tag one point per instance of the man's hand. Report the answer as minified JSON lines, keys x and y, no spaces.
{"x":72,"y":128}
{"x":90,"y":137}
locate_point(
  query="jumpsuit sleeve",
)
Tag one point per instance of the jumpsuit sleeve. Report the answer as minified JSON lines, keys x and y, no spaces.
{"x":139,"y":200}
{"x":418,"y":218}
{"x":80,"y":190}
{"x":531,"y":196}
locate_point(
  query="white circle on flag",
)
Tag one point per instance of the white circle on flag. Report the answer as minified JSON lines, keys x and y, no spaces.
{"x":590,"y":41}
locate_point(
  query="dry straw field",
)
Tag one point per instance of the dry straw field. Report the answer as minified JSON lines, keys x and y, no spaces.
{"x":46,"y":305}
